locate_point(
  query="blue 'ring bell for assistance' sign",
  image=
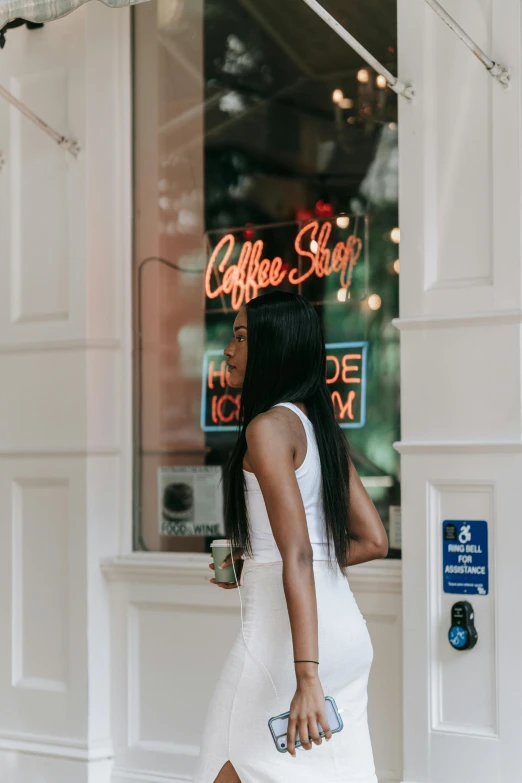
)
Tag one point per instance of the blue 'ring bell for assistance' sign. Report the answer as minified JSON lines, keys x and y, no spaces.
{"x":465,"y":556}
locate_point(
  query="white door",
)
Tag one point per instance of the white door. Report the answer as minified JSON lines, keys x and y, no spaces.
{"x":62,"y":288}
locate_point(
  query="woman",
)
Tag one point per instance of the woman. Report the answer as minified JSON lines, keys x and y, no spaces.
{"x":297,"y":515}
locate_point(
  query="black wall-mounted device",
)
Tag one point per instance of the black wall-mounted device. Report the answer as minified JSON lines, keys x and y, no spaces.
{"x":462,"y":634}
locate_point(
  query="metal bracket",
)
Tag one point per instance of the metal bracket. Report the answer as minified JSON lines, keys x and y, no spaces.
{"x":498,"y":71}
{"x":393,"y":82}
{"x":70,"y":145}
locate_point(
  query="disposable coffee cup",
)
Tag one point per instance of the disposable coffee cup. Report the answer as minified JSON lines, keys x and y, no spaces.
{"x":220,"y":551}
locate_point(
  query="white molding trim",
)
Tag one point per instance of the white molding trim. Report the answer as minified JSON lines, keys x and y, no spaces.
{"x":48,"y":346}
{"x":458,"y":447}
{"x":376,"y":576}
{"x":125,"y":233}
{"x":95,"y":451}
{"x":460,"y":282}
{"x":495,"y":317}
{"x":186,"y":568}
{"x":123,"y":775}
{"x":174,"y":748}
{"x":158,"y":568}
{"x":56,"y":747}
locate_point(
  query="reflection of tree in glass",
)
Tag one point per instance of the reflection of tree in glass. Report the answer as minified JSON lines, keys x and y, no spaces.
{"x":277,"y":144}
{"x":238,"y":60}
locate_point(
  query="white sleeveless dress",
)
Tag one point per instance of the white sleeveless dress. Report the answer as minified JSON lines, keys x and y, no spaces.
{"x":236,"y":724}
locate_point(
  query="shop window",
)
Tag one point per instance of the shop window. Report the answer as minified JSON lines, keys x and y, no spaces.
{"x":257,"y":129}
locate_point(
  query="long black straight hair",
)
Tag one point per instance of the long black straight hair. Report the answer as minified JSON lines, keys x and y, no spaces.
{"x":286,"y":362}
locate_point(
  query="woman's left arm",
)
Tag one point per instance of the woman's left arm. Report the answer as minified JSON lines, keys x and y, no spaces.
{"x":270,"y":453}
{"x":368,"y":536}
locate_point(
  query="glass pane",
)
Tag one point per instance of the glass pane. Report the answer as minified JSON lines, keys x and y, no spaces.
{"x":260,"y":136}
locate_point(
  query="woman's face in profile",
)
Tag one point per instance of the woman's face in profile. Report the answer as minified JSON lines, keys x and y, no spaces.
{"x":236,"y":351}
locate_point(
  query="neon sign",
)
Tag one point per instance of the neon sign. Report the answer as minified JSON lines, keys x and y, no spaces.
{"x":241,"y":274}
{"x":346,"y":365}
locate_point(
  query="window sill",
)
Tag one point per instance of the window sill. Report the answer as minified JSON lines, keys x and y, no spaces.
{"x":192,"y":569}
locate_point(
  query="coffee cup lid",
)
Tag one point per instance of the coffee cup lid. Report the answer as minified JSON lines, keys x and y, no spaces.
{"x":220,"y":542}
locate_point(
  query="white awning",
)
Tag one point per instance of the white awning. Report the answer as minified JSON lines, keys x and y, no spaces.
{"x":47,"y":10}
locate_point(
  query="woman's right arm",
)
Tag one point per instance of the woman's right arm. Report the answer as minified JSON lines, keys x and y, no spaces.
{"x":368,"y":536}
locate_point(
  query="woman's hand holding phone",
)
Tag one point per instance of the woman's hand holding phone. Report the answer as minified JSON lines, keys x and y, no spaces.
{"x":306,"y":709}
{"x":237,"y":565}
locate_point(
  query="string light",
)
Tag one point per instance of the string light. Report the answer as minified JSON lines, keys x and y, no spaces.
{"x":381,"y":81}
{"x":323,"y":208}
{"x":337,"y":96}
{"x":363,"y":76}
{"x":342,"y":294}
{"x":346,"y":103}
{"x":374,"y":301}
{"x":304,"y":214}
{"x":249,"y":233}
{"x":314,"y":246}
{"x":395,"y":235}
{"x":397,"y":266}
{"x":343,"y":221}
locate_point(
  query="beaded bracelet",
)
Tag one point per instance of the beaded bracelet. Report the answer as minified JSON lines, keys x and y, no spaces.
{"x":304,"y":660}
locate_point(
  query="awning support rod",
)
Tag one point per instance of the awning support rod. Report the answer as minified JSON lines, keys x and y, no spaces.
{"x":69,"y":144}
{"x":498,"y":71}
{"x":393,"y":82}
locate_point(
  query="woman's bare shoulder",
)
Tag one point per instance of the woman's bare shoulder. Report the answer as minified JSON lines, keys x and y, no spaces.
{"x":267,"y":424}
{"x":270,"y":439}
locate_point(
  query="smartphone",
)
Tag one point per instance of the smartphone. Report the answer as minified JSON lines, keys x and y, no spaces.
{"x":278,"y":725}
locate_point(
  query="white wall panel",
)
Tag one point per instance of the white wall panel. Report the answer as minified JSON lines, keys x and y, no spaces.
{"x":40,"y":612}
{"x":48,"y":674}
{"x":460,"y":152}
{"x":162,"y":644}
{"x":104,"y":476}
{"x":382,"y":611}
{"x":460,"y":305}
{"x":29,"y":767}
{"x":171,"y":634}
{"x":440,"y":362}
{"x":461,"y":708}
{"x":457,"y":704}
{"x":40,"y":237}
{"x":42,"y":297}
{"x":64,"y":408}
{"x":167,"y":656}
{"x":41,"y":393}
